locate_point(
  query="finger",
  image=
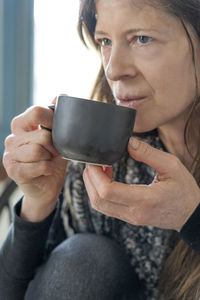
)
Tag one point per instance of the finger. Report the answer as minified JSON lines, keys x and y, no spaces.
{"x":100,"y":177}
{"x":24,"y":172}
{"x":164,"y":163}
{"x":91,"y":190}
{"x":31,"y":153}
{"x":38,"y":137}
{"x":44,"y":139}
{"x":111,"y":209}
{"x":118,"y":192}
{"x":54,"y":100}
{"x":31,"y":119}
{"x":108,"y":171}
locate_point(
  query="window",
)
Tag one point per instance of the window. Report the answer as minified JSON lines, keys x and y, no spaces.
{"x":62,"y":64}
{"x":16,"y":53}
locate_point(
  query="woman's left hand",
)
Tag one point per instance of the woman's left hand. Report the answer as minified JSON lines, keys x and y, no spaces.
{"x":166,"y":203}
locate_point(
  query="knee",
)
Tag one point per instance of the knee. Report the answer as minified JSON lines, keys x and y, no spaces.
{"x":97,"y":257}
{"x":90,"y":249}
{"x":84,"y":262}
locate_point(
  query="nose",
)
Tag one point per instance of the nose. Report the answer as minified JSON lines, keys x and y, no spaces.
{"x":120,"y":64}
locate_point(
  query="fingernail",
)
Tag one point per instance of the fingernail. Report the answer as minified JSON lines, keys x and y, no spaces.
{"x":134,"y":143}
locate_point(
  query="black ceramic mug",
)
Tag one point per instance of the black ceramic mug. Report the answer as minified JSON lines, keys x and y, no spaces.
{"x":91,"y":131}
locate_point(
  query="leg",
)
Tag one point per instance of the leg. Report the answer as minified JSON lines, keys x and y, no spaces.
{"x":84,"y":267}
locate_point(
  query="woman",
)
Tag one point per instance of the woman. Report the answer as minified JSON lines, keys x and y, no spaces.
{"x":148,"y":202}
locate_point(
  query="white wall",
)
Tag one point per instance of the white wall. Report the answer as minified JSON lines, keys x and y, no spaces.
{"x":62,"y":63}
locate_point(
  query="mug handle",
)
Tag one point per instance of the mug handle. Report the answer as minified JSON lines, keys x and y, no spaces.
{"x":52,"y":107}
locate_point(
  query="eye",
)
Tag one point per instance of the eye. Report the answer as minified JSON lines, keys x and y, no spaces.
{"x":144,"y":39}
{"x":104,"y":42}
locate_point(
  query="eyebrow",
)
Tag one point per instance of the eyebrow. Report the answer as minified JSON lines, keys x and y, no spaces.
{"x":100,"y":32}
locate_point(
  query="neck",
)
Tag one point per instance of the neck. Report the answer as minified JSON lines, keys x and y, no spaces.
{"x":172,"y":136}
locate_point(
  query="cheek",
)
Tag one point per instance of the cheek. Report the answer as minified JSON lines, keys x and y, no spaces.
{"x":174,"y":81}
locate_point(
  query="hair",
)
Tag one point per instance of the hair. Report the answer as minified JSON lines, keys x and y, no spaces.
{"x":180,"y":277}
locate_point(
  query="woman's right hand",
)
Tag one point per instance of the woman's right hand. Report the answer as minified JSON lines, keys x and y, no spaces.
{"x":31,"y":160}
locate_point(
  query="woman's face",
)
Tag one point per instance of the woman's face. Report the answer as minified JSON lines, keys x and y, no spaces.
{"x":147,"y":60}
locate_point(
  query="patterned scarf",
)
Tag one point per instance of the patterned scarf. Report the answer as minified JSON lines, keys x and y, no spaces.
{"x":147,"y":247}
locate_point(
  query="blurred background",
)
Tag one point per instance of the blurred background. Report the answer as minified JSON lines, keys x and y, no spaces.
{"x":41,"y":56}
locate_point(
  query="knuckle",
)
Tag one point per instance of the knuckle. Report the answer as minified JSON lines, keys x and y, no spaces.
{"x":146,"y":149}
{"x":36,"y":151}
{"x":45,"y":168}
{"x":36,"y":112}
{"x":15,"y":122}
{"x":5,"y":159}
{"x":9,"y":141}
{"x":9,"y":164}
{"x":175,"y":163}
{"x":45,"y":140}
{"x":104,"y":192}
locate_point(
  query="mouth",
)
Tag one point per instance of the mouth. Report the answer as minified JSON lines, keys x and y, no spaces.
{"x":131,"y":102}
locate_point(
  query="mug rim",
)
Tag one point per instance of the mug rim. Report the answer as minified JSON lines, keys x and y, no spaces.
{"x":97,"y":102}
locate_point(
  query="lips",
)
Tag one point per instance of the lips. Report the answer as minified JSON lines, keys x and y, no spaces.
{"x":130,"y":101}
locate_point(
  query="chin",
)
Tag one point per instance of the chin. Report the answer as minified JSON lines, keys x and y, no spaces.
{"x":143,"y":129}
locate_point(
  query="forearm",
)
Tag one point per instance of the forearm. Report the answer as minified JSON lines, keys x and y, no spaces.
{"x":20,"y":255}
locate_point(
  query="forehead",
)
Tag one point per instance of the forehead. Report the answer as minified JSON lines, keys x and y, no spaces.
{"x":125,"y":13}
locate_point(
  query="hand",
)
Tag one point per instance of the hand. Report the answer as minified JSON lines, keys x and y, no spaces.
{"x":33,"y":163}
{"x":166,"y":203}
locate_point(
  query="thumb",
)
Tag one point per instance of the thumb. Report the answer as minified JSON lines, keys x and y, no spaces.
{"x":160,"y":161}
